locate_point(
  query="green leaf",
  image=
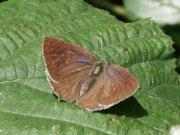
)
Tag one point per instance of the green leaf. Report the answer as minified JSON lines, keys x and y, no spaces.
{"x":162,"y":11}
{"x":27,"y":103}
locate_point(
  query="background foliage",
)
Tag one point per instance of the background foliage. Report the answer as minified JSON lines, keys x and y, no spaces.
{"x":27,"y":104}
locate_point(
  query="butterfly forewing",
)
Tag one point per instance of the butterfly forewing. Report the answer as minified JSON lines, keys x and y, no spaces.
{"x":66,"y":65}
{"x":62,"y":58}
{"x":114,"y":85}
{"x":122,"y":85}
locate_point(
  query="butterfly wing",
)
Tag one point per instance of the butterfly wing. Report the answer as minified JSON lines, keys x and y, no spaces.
{"x":66,"y":65}
{"x":63,"y":59}
{"x":113,"y":85}
{"x":69,"y":88}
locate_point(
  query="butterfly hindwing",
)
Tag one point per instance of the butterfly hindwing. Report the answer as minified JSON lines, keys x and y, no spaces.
{"x":69,"y":88}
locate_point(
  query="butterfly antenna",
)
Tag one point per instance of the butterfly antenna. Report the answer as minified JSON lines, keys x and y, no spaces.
{"x":101,"y":44}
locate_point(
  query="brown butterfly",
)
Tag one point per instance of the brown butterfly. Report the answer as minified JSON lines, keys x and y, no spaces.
{"x":76,"y":76}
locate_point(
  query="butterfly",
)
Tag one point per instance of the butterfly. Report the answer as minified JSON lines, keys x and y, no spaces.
{"x":76,"y":76}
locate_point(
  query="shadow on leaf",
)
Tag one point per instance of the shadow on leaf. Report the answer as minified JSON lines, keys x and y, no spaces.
{"x":129,"y":107}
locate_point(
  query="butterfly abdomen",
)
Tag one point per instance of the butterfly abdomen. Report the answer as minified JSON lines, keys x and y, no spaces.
{"x":87,"y":84}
